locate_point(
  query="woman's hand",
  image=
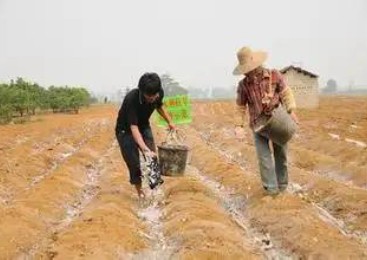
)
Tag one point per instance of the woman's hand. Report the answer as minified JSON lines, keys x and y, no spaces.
{"x":239,"y":132}
{"x":294,"y":117}
{"x":149,"y":153}
{"x":172,"y":127}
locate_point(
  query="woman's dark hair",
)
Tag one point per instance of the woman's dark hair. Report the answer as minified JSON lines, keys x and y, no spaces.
{"x":150,"y":83}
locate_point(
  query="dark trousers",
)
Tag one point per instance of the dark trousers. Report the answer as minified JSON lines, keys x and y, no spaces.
{"x":130,"y":152}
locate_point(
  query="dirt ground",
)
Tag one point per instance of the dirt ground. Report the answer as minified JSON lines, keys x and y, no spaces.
{"x":64,"y":190}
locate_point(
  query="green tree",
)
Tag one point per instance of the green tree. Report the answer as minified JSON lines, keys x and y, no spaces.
{"x":65,"y":99}
{"x":25,"y":98}
{"x":78,"y":97}
{"x":56,"y":98}
{"x":6,"y":109}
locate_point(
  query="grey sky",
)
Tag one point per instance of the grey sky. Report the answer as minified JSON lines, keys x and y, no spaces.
{"x":108,"y":44}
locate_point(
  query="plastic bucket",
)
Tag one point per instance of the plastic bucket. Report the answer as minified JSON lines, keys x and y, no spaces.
{"x":279,"y":128}
{"x":172,"y":159}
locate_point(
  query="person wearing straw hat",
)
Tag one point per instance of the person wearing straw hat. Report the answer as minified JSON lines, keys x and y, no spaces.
{"x":260,"y":92}
{"x":133,"y":131}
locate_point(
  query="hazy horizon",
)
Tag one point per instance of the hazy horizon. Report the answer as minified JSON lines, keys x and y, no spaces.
{"x":107,"y":45}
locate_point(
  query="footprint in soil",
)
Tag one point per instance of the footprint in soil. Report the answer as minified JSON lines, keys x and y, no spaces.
{"x":51,"y":254}
{"x":54,"y":236}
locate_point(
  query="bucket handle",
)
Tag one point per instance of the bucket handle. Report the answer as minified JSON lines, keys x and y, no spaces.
{"x":175,"y":137}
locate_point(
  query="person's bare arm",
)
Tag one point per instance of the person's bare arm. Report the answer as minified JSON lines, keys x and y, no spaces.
{"x":289,"y":102}
{"x":139,"y":139}
{"x":241,"y":102}
{"x":287,"y":97}
{"x":163,"y":112}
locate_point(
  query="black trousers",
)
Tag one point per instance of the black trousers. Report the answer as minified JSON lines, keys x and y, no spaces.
{"x":130,"y":152}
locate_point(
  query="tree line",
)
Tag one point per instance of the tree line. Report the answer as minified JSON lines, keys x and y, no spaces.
{"x":20,"y":98}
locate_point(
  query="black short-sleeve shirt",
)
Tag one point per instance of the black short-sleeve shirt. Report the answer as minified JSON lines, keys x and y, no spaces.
{"x":135,"y":111}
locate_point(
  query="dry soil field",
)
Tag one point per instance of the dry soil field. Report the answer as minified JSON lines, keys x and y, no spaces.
{"x":64,"y":190}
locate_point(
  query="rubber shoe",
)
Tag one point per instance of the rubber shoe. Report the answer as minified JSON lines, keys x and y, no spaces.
{"x":282,"y":188}
{"x":271,"y":192}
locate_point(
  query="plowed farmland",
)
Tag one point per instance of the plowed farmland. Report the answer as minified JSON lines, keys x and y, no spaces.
{"x":64,"y":190}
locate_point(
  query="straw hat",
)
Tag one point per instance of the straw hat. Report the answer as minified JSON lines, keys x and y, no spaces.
{"x":249,"y":60}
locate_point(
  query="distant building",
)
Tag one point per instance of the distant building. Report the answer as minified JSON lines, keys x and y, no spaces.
{"x":304,"y":84}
